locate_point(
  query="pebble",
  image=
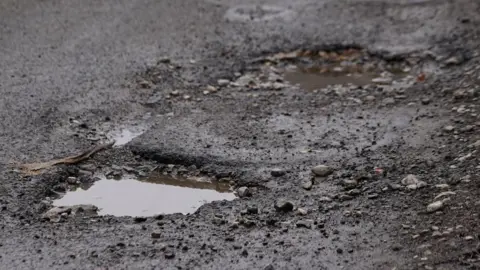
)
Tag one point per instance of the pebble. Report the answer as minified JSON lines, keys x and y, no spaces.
{"x":394,"y":186}
{"x":448,"y":128}
{"x":369,"y":98}
{"x":306,"y":223}
{"x":283,"y":206}
{"x":443,"y":194}
{"x":349,"y":184}
{"x":277,"y":172}
{"x":269,"y":267}
{"x":71,"y":180}
{"x":435,"y":206}
{"x":252,"y":210}
{"x":307,"y":185}
{"x":397,"y":247}
{"x":223,"y":82}
{"x":388,"y":101}
{"x":322,"y":170}
{"x":425,"y":101}
{"x":139,"y":219}
{"x":325,"y":199}
{"x":302,"y":212}
{"x":412,"y":182}
{"x":169,"y":255}
{"x":372,"y":196}
{"x":243,"y":192}
{"x":382,"y":80}
{"x":442,"y":186}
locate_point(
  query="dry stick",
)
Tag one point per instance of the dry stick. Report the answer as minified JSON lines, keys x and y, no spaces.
{"x":31,"y":167}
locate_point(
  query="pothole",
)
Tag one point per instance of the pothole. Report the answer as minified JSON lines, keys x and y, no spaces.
{"x":313,"y":70}
{"x":152,"y":195}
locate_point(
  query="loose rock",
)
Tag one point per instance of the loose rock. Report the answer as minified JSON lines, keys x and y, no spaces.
{"x":307,"y":185}
{"x":435,"y":206}
{"x":283,"y":206}
{"x":322,"y":170}
{"x":243,"y":192}
{"x":306,"y":223}
{"x":277,"y":172}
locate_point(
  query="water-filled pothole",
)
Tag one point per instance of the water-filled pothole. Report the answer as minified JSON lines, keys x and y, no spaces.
{"x":319,"y":69}
{"x":156,"y":194}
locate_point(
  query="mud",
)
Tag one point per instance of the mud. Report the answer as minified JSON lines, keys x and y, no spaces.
{"x":211,"y":87}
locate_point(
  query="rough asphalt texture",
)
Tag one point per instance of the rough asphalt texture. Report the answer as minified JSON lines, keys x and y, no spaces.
{"x":103,"y":64}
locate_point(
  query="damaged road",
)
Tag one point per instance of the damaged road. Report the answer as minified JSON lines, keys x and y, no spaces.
{"x":339,"y":135}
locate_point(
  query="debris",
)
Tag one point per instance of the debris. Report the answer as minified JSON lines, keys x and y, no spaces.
{"x":33,"y":168}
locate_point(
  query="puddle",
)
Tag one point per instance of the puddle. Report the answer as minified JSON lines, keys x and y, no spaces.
{"x":157,"y":194}
{"x":312,"y":81}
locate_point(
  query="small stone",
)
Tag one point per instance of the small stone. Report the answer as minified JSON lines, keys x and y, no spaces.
{"x":435,"y":206}
{"x":425,"y":101}
{"x":306,"y":223}
{"x":302,"y":212}
{"x":277,"y":172}
{"x":269,"y":267}
{"x":252,"y":210}
{"x":223,"y":82}
{"x":175,"y":93}
{"x":468,"y":237}
{"x":307,"y":185}
{"x":454,"y":60}
{"x":322,"y":170}
{"x":349,"y":184}
{"x":410,"y":180}
{"x":442,"y":186}
{"x":372,"y":196}
{"x":283,"y":206}
{"x":449,"y":128}
{"x":436,"y":234}
{"x":139,"y":219}
{"x":369,"y":98}
{"x":388,"y":101}
{"x":443,"y":194}
{"x":397,"y":247}
{"x":71,"y":180}
{"x":325,"y":199}
{"x":169,"y":254}
{"x":218,"y":221}
{"x":394,"y":186}
{"x":382,"y":80}
{"x":156,"y":235}
{"x":243,"y":192}
{"x":187,"y":97}
{"x":354,"y":192}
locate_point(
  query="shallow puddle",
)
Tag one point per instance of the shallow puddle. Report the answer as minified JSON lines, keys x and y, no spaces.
{"x":157,"y":194}
{"x":317,"y":80}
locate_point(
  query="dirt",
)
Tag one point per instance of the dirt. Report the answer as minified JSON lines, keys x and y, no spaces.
{"x":398,"y":186}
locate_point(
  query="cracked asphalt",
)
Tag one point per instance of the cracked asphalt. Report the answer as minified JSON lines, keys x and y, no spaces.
{"x":199,"y":77}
